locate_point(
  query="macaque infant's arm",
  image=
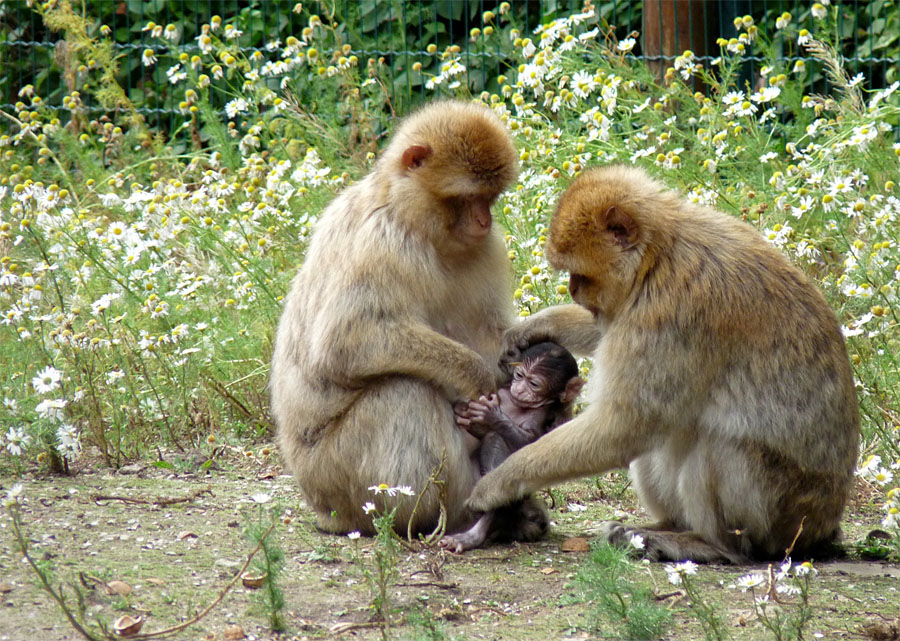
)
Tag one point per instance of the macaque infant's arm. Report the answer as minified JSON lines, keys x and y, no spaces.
{"x":486,"y":414}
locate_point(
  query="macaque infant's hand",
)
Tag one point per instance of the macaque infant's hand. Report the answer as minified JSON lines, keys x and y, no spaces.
{"x":465,"y":421}
{"x":494,"y":490}
{"x":485,"y":410}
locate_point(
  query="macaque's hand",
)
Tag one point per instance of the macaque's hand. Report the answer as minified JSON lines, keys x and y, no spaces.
{"x":499,"y":487}
{"x":485,"y":410}
{"x":518,"y":338}
{"x":479,"y":382}
{"x":462,"y":415}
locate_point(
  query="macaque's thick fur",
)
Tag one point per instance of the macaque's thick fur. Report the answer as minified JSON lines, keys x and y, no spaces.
{"x":720,"y":377}
{"x":398,"y":310}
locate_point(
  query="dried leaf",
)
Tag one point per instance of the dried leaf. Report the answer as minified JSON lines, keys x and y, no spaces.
{"x":118,"y":588}
{"x":5,"y":588}
{"x":126,"y":626}
{"x":449,"y":614}
{"x":549,"y":571}
{"x":576,"y":544}
{"x":740,"y":621}
{"x":186,"y":534}
{"x":234,"y":633}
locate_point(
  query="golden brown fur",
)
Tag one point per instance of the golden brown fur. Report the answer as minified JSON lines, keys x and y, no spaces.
{"x":720,"y":377}
{"x":398,"y":310}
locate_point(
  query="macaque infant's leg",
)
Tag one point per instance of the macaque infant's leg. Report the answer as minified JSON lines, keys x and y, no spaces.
{"x":494,"y":451}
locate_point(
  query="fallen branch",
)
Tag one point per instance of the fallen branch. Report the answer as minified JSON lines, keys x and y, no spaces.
{"x":159,"y":501}
{"x":429,"y":584}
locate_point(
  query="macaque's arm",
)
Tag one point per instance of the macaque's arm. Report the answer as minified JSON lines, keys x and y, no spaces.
{"x":593,"y":442}
{"x":410,"y":349}
{"x":572,"y":326}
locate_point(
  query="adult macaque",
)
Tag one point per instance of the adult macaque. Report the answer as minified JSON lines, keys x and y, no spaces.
{"x":720,"y":377}
{"x":539,"y":397}
{"x":397,"y":311}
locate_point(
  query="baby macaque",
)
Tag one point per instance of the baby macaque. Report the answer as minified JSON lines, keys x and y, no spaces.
{"x":538,"y":398}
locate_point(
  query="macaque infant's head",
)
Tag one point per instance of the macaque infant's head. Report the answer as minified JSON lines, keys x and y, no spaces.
{"x":546,"y":374}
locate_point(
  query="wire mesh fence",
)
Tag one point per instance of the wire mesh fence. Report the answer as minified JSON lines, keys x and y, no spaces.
{"x":409,"y":36}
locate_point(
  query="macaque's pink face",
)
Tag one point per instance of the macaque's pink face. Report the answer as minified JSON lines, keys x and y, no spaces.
{"x":530,"y":386}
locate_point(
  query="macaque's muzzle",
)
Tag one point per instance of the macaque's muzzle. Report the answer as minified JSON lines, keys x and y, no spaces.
{"x":481,"y":213}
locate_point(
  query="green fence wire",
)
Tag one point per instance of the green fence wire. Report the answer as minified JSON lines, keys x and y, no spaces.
{"x":400,"y":32}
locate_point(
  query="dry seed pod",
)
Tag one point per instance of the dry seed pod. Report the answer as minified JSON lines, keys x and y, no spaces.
{"x":126,"y":626}
{"x":253,"y":581}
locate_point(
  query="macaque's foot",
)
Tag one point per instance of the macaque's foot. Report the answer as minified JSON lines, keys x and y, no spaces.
{"x":618,"y":534}
{"x":667,"y":545}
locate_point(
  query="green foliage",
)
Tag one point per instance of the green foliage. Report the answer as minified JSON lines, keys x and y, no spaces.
{"x":425,"y":627}
{"x":270,"y":563}
{"x":107,"y":40}
{"x":608,"y":577}
{"x":879,"y":546}
{"x":380,"y":570}
{"x":783,"y":607}
{"x":681,"y":574}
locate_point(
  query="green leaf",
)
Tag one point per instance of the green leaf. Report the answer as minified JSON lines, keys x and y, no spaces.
{"x":885,"y":39}
{"x":449,"y":9}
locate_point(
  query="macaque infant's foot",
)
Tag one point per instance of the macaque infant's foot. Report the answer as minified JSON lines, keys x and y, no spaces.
{"x":471,"y":538}
{"x":461,"y":542}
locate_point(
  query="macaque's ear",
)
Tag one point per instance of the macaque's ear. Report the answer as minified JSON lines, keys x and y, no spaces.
{"x":573,"y":389}
{"x":622,"y":228}
{"x":415,"y":155}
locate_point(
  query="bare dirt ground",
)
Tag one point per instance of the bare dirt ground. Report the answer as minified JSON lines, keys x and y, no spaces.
{"x":101,"y":526}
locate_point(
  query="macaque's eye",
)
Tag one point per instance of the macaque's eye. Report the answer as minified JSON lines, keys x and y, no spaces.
{"x":517,"y":375}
